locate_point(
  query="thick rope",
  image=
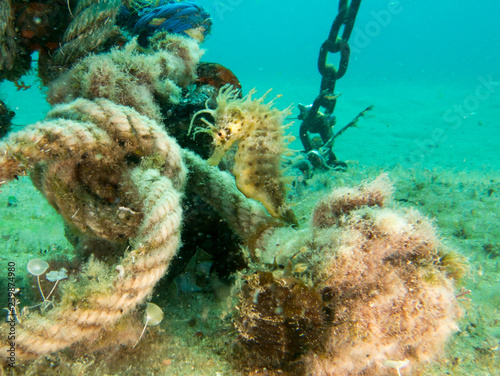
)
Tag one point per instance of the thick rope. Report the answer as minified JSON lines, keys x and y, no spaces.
{"x":89,"y":195}
{"x":143,"y":81}
{"x":7,"y":36}
{"x":111,"y":133}
{"x":244,"y":216}
{"x":157,"y":242}
{"x":94,"y":23}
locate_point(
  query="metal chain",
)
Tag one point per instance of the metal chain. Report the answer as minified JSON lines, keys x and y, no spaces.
{"x":330,"y":74}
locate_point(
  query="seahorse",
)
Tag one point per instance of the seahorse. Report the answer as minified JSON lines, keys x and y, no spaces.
{"x":258,"y":130}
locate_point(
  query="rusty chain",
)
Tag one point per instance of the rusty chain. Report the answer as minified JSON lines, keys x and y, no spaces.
{"x":330,"y":74}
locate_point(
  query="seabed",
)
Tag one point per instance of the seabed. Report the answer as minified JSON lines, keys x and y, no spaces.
{"x":197,"y":334}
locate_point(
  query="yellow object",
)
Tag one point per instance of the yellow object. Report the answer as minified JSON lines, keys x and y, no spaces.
{"x":257,"y":128}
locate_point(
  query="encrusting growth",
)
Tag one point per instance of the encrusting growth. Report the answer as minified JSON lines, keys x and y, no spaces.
{"x":346,"y":199}
{"x":257,"y":128}
{"x":131,"y":78}
{"x":367,"y":285}
{"x":245,"y":217}
{"x":391,"y":295}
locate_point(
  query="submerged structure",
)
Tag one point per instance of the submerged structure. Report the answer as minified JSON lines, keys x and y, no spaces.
{"x":358,"y":287}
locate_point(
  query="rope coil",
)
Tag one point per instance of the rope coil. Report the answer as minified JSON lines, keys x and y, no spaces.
{"x":96,"y":135}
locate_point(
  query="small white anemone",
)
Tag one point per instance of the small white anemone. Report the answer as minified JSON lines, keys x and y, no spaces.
{"x":37,"y":267}
{"x":396,"y":364}
{"x":153,"y":315}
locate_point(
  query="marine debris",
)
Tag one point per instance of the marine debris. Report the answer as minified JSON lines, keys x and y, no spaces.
{"x":144,"y":80}
{"x":5,"y":119}
{"x":80,"y":160}
{"x":314,"y":121}
{"x":183,"y":17}
{"x":366,"y":284}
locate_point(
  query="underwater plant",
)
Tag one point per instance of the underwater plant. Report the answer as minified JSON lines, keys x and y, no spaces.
{"x":38,"y":267}
{"x":396,"y":364}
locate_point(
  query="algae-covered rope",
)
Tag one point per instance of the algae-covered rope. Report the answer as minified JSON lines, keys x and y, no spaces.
{"x":83,"y":152}
{"x":218,"y":188}
{"x":94,"y":23}
{"x":7,"y":36}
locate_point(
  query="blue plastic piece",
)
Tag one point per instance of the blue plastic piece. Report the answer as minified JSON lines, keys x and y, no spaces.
{"x":177,"y":17}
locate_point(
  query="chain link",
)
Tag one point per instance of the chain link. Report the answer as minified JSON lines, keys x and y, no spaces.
{"x":330,"y":74}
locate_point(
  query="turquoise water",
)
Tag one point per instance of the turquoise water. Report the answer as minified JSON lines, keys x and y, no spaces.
{"x":413,"y":60}
{"x":449,"y":41}
{"x":430,"y":69}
